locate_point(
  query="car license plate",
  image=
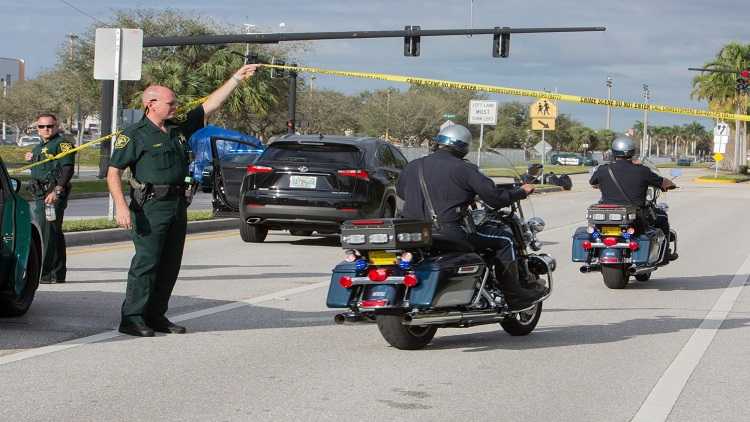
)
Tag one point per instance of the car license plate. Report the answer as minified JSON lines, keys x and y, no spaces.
{"x":611,"y":231}
{"x":382,"y":258}
{"x":303,"y":182}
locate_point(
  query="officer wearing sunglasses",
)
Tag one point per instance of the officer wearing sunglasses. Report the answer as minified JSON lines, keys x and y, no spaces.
{"x":50,"y":185}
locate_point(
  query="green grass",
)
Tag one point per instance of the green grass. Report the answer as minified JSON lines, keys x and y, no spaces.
{"x":103,"y":223}
{"x":675,"y":166}
{"x":507,"y":172}
{"x":13,"y":156}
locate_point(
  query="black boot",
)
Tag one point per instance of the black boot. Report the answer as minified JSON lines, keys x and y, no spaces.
{"x":517,"y":296}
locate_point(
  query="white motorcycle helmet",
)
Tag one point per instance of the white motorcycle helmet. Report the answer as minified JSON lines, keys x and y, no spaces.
{"x":455,"y":138}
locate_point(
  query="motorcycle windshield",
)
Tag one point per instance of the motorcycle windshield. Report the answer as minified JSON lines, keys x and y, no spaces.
{"x":510,"y":171}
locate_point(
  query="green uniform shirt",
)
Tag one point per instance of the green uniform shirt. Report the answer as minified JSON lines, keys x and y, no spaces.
{"x":154,"y":156}
{"x":49,"y":171}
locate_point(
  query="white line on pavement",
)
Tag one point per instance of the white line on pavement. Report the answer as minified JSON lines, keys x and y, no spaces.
{"x":659,"y":403}
{"x":107,"y":335}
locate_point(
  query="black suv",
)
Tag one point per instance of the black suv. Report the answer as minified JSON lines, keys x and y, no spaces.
{"x":306,"y":183}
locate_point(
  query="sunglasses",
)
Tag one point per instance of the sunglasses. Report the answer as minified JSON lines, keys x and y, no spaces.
{"x":45,"y":126}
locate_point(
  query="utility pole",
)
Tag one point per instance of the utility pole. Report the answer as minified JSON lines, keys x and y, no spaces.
{"x":79,"y":123}
{"x":5,"y":93}
{"x":387,"y":113}
{"x":646,"y":142}
{"x":609,"y":97}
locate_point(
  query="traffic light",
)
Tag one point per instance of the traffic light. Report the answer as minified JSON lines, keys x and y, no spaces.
{"x":411,"y":42}
{"x":501,"y":42}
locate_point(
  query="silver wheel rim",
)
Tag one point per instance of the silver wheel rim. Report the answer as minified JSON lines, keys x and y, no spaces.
{"x":526,"y":317}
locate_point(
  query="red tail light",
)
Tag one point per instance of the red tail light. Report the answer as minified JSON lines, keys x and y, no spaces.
{"x":745,"y":74}
{"x":586,"y":245}
{"x":357,"y":174}
{"x":410,"y":280}
{"x":253,"y":169}
{"x":367,"y":222}
{"x":345,"y":282}
{"x":610,"y":241}
{"x":373,"y":303}
{"x":378,"y":274}
{"x":633,"y":246}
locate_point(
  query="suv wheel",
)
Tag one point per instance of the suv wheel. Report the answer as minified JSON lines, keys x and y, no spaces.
{"x":253,"y":233}
{"x":18,"y":305}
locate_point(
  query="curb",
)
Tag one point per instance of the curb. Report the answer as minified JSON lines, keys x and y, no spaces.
{"x":716,"y":181}
{"x":88,"y":195}
{"x":121,"y":235}
{"x":549,"y":189}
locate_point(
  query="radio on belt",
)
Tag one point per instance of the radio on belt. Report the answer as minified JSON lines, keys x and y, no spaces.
{"x":386,"y":233}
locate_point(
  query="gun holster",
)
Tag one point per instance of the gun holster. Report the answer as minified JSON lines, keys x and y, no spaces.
{"x":40,"y":188}
{"x":140,"y":192}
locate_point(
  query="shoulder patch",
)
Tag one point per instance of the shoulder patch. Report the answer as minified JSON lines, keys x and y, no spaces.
{"x":66,"y":146}
{"x":122,"y":141}
{"x":180,"y":118}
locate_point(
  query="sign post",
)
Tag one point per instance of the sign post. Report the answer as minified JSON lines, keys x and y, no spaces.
{"x":482,"y":113}
{"x":118,"y":54}
{"x":543,"y":115}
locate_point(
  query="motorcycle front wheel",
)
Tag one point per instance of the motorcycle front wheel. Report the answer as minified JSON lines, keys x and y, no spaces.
{"x":404,"y":337}
{"x":522,"y":323}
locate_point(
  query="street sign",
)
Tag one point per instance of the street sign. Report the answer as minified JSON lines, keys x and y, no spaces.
{"x":543,"y":124}
{"x":718,"y":157}
{"x":449,"y":116}
{"x":721,"y":137}
{"x":129,"y":50}
{"x":543,"y":147}
{"x":543,"y":109}
{"x":482,"y":112}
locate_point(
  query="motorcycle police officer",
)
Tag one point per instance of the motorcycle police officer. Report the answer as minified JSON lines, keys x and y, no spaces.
{"x":628,"y":184}
{"x":453,"y":184}
{"x":155,"y":151}
{"x":50,"y":187}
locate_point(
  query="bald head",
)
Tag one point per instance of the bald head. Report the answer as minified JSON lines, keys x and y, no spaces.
{"x":159,"y":102}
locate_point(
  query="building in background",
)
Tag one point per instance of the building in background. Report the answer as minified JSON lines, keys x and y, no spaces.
{"x":11,"y":71}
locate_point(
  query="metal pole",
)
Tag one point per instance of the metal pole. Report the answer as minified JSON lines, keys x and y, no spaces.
{"x":645,"y":141}
{"x":481,"y":141}
{"x":106,"y":126}
{"x":609,"y":97}
{"x":292,"y":101}
{"x":544,"y":154}
{"x":5,"y":93}
{"x":115,"y":109}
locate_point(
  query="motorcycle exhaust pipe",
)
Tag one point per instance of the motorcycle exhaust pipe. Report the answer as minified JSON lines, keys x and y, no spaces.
{"x":350,"y":318}
{"x":636,"y":270}
{"x":252,"y":220}
{"x":454,"y":318}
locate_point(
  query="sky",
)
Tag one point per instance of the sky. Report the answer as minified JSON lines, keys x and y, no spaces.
{"x":646,"y":42}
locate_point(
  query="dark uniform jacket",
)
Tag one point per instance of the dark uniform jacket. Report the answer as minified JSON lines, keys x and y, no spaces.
{"x":52,"y":171}
{"x":154,"y":156}
{"x":453,"y":184}
{"x":633,"y":178}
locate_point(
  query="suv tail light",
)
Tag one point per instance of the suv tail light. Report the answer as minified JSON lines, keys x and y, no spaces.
{"x":253,"y":169}
{"x":358,"y":174}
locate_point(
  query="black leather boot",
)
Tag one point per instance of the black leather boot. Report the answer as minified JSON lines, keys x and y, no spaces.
{"x":517,"y":296}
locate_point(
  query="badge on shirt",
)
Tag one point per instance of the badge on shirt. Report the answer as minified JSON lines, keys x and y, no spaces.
{"x":121,"y":141}
{"x":65,"y":147}
{"x":46,"y":154}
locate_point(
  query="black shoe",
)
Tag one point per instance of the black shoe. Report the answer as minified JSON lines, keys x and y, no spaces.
{"x":673,"y":256}
{"x":138,"y":330}
{"x":168,"y":326}
{"x":46,"y":280}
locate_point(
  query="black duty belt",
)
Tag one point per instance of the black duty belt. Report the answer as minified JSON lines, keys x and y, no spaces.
{"x":167,"y":191}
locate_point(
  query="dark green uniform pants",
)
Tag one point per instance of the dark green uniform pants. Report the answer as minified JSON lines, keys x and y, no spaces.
{"x":159,"y":238}
{"x":54,"y":265}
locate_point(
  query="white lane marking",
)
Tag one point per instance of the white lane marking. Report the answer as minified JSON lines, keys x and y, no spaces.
{"x":659,"y":403}
{"x":107,"y":335}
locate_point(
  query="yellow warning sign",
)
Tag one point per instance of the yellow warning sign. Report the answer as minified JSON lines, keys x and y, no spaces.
{"x":543,"y":124}
{"x":718,"y":156}
{"x":543,"y":109}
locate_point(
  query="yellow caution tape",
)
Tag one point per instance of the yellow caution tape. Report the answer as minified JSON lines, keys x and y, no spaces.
{"x":518,"y":92}
{"x":188,"y":106}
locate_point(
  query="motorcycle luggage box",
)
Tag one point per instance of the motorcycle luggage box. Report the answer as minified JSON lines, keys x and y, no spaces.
{"x":339,"y":297}
{"x":386,"y":234}
{"x":610,"y":214}
{"x":649,"y":247}
{"x":447,"y":280}
{"x":578,"y":253}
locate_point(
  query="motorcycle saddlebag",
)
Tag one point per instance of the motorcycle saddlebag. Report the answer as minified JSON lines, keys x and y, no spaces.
{"x":447,"y":280}
{"x":649,"y":247}
{"x":385,"y":234}
{"x":579,"y":254}
{"x":339,"y":297}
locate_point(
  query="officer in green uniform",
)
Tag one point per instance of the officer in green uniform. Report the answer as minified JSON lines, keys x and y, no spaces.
{"x":50,"y":186}
{"x":154,"y":150}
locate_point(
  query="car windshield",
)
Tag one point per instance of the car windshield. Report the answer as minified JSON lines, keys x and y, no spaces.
{"x":324,"y":153}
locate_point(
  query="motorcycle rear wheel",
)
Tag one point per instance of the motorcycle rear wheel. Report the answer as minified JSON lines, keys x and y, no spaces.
{"x":615,"y":276}
{"x":522,"y":323}
{"x":404,"y":337}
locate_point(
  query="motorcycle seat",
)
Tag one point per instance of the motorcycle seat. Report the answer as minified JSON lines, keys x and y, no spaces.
{"x":448,"y":244}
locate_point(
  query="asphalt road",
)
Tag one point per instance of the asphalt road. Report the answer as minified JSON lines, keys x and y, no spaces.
{"x":263,"y":346}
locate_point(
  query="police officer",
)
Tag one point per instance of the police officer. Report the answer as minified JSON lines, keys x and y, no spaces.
{"x":154,"y":150}
{"x":633,"y":180}
{"x":453,"y":183}
{"x":50,"y":186}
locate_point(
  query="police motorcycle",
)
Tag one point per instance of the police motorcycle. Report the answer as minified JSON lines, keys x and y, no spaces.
{"x":398,"y":275}
{"x":613,"y":243}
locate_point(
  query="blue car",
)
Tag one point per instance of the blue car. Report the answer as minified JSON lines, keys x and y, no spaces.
{"x":231,"y":145}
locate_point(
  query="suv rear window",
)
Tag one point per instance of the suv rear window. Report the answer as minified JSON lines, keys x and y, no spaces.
{"x":313,"y":153}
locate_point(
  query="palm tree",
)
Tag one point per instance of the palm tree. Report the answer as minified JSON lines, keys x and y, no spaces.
{"x":719,"y":89}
